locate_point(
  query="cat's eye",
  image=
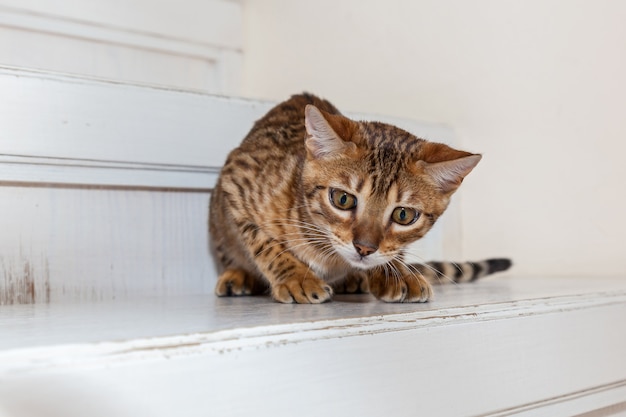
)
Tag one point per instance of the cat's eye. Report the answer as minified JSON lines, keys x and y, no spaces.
{"x":342,"y":200}
{"x":404,"y":215}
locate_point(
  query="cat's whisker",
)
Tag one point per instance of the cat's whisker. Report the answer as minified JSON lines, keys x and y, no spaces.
{"x":395,"y":273}
{"x":291,"y":221}
{"x":386,"y":271}
{"x":411,"y":269}
{"x":307,"y":229}
{"x":287,"y":243}
{"x":438,"y":274}
{"x":289,"y":248}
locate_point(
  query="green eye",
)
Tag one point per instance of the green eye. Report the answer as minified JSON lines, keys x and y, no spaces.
{"x":342,"y":200}
{"x":404,"y":216}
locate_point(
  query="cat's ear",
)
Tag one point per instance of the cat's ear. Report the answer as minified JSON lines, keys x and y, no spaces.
{"x":445,"y":165}
{"x":328,"y":134}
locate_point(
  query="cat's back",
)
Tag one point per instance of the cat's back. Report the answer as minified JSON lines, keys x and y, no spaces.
{"x":268,"y":161}
{"x":283,"y":126}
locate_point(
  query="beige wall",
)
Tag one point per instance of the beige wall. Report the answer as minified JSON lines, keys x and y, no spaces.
{"x":539,"y":87}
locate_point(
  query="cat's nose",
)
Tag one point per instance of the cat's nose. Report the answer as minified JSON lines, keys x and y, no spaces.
{"x":364,"y":248}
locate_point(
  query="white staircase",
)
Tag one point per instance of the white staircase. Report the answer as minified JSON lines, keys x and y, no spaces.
{"x":106,"y":304}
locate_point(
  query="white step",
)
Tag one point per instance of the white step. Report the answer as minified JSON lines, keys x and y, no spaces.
{"x":504,"y":346}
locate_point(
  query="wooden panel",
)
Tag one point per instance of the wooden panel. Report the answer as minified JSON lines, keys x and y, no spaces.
{"x":47,"y":115}
{"x":92,"y":244}
{"x":201,"y":50}
{"x":210,"y":22}
{"x":189,"y":68}
{"x":68,"y":130}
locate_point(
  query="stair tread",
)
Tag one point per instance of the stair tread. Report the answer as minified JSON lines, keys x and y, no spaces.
{"x":36,"y":325}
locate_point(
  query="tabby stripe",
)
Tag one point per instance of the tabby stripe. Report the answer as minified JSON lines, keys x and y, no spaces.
{"x":247,"y":184}
{"x":404,"y":143}
{"x":476,"y":270}
{"x":317,"y":189}
{"x":258,"y":250}
{"x":250,"y":228}
{"x":240,"y":190}
{"x":458,"y":273}
{"x":285,"y":271}
{"x":359,"y":185}
{"x":277,"y":265}
{"x":242,"y":164}
{"x":497,"y":265}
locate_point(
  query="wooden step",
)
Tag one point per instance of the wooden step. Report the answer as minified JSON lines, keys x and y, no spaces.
{"x":504,"y":346}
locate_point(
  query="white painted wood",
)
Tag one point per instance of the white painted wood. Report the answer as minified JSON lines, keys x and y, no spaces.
{"x":77,"y":172}
{"x":196,"y":45}
{"x":101,"y":244}
{"x":96,"y":123}
{"x":214,"y":22}
{"x":499,"y":347}
{"x":603,"y":401}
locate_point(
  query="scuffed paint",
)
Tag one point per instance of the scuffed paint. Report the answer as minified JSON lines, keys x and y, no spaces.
{"x":23,"y":283}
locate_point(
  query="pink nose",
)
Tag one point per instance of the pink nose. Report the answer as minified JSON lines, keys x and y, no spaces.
{"x":364,"y":248}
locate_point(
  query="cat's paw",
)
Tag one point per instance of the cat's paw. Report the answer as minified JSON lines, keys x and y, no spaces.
{"x":236,"y":282}
{"x":310,"y":290}
{"x":405,"y":289}
{"x":354,"y":283}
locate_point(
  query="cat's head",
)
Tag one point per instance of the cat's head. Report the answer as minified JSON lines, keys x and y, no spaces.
{"x":373,"y":188}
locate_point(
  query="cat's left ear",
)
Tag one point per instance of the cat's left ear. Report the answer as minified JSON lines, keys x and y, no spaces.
{"x":328,"y":134}
{"x":445,"y":165}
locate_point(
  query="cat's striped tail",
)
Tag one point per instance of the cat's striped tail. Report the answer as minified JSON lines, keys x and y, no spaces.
{"x":450,"y":272}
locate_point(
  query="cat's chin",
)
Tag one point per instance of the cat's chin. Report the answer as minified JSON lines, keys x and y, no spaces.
{"x":364,"y":263}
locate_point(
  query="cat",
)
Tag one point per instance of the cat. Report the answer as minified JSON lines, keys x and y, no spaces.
{"x":312,"y":203}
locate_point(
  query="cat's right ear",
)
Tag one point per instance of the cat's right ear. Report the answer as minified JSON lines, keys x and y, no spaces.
{"x":328,"y":134}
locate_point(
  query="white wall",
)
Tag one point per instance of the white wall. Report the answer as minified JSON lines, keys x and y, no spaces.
{"x":538,"y":86}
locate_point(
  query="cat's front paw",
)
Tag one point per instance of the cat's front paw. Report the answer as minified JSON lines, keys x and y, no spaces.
{"x":404,"y":289}
{"x":310,"y":290}
{"x":237,"y":282}
{"x":354,"y":283}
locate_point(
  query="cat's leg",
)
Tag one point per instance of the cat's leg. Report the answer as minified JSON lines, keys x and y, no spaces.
{"x":236,"y":281}
{"x":290,"y":280}
{"x":301,"y":288}
{"x":354,"y":283}
{"x":399,"y":285}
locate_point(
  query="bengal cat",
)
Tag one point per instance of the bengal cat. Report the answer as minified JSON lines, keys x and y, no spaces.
{"x":313,"y":203}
